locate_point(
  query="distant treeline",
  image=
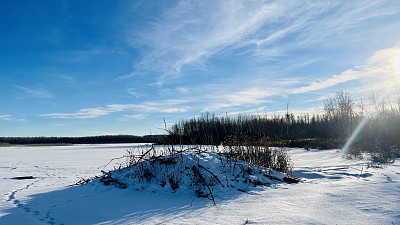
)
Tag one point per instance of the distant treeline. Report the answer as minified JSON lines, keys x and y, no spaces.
{"x":106,"y":139}
{"x":328,"y":130}
{"x":211,"y":129}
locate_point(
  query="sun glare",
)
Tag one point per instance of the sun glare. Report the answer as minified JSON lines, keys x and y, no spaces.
{"x":396,"y":63}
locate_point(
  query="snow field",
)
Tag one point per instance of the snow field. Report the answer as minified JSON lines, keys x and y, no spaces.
{"x":334,"y":191}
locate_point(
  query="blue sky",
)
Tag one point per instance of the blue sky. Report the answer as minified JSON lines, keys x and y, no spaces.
{"x":79,"y":68}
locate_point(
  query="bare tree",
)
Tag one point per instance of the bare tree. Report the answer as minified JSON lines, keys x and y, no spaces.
{"x":339,"y":109}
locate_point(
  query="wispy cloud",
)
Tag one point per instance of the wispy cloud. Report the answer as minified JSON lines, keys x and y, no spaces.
{"x":377,"y":69}
{"x":132,"y":91}
{"x":182,"y":90}
{"x":36,"y":93}
{"x":67,"y":79}
{"x":333,"y":19}
{"x":136,"y":116}
{"x":190,"y":33}
{"x":251,"y":96}
{"x":167,"y":106}
{"x":10,"y":118}
{"x":5,"y":117}
{"x":125,"y":76}
{"x":246,"y":93}
{"x":82,"y":114}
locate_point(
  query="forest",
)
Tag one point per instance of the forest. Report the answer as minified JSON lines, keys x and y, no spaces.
{"x":377,"y":123}
{"x":105,"y":139}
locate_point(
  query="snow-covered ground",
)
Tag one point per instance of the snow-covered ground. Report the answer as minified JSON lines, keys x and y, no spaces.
{"x":334,"y":191}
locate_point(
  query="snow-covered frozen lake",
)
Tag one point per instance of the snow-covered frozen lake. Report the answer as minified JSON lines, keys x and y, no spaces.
{"x":333,"y":191}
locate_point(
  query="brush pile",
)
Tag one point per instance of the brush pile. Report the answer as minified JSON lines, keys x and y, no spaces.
{"x":199,"y":169}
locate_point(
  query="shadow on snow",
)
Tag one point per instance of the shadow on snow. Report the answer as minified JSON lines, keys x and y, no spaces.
{"x":95,"y":203}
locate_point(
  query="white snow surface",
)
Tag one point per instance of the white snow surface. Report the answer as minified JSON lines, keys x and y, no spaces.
{"x":333,"y":191}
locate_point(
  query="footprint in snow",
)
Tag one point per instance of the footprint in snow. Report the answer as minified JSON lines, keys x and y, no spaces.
{"x":388,"y":178}
{"x":18,"y":204}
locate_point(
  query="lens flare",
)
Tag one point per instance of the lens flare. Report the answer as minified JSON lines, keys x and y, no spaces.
{"x":355,"y":134}
{"x":395,"y":62}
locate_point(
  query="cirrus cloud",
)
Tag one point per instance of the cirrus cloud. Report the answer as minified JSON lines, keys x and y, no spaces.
{"x":35,"y":92}
{"x":167,"y":106}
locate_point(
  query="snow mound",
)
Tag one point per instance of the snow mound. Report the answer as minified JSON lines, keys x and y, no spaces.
{"x":201,"y":172}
